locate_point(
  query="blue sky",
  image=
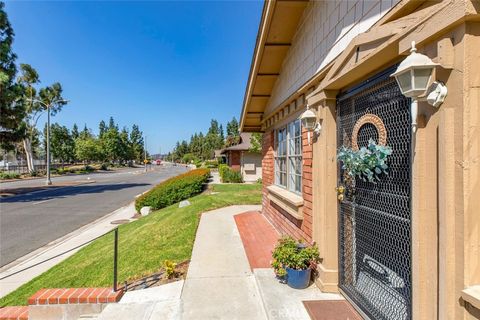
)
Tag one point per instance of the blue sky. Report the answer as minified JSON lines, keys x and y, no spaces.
{"x":167,"y":66}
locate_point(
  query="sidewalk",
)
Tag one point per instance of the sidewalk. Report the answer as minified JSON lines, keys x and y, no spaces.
{"x":68,"y":242}
{"x":229,"y":277}
{"x":220,"y":283}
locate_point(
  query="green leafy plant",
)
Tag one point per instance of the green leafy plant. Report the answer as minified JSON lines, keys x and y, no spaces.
{"x":7,"y":175}
{"x":170,"y":268}
{"x":289,"y":253}
{"x":368,"y":163}
{"x":211,"y":164}
{"x":229,"y":175}
{"x":174,"y":190}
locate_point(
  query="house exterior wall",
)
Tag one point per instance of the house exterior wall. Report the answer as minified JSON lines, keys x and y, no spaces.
{"x":249,"y":160}
{"x":234,"y":159}
{"x":446,"y":171}
{"x":282,"y":220}
{"x":325,"y":30}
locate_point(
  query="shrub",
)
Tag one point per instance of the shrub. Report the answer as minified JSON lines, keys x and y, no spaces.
{"x":9,"y":175}
{"x":228,"y":175}
{"x":174,"y":190}
{"x":198,"y":163}
{"x":289,"y":253}
{"x":221,"y":170}
{"x":104,"y":166}
{"x":211,"y":164}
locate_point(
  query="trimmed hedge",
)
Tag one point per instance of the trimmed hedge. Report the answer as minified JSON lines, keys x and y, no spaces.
{"x":174,"y":190}
{"x":228,"y":175}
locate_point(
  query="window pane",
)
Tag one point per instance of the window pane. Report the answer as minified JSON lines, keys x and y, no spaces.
{"x":283,"y":179}
{"x":298,"y":166}
{"x":283,"y":148}
{"x":297,"y":128}
{"x":298,"y":184}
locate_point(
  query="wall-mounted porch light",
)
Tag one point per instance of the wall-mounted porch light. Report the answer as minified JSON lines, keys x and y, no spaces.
{"x":413,"y":76}
{"x":310,"y":123}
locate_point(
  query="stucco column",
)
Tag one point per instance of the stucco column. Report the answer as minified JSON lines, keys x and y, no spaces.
{"x":325,"y":214}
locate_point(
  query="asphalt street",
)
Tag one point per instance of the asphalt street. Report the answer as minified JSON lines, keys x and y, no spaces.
{"x":29,"y":221}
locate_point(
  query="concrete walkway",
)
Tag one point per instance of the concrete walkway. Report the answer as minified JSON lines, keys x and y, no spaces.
{"x":68,"y":242}
{"x":219,"y":283}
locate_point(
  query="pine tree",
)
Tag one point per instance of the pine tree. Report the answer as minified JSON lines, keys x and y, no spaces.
{"x":111,"y":124}
{"x":222,"y":135}
{"x":102,"y":127}
{"x":75,"y":133}
{"x":136,"y":139}
{"x":233,"y":128}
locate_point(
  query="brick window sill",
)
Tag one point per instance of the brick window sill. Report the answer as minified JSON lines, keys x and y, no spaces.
{"x":290,"y":202}
{"x":472,"y":295}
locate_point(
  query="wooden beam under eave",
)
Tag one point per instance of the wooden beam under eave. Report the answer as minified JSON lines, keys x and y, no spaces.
{"x":279,"y":44}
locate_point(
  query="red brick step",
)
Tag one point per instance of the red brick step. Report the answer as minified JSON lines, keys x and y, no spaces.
{"x":14,"y":313}
{"x":75,"y":296}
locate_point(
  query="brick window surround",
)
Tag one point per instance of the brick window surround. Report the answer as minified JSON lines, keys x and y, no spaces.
{"x":285,"y":222}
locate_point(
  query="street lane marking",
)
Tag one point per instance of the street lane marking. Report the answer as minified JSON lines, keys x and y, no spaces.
{"x":42,"y":201}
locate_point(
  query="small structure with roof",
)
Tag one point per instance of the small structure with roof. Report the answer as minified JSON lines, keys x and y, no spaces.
{"x":240,"y":157}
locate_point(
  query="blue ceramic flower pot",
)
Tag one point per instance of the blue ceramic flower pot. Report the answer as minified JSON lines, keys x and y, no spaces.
{"x":298,"y":279}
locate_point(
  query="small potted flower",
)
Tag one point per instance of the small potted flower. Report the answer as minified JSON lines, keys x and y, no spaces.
{"x":294,"y":261}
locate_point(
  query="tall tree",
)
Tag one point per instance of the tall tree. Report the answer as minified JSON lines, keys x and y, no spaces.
{"x":102,"y":127}
{"x":136,"y":139}
{"x":112,"y":144}
{"x":11,"y":110}
{"x":75,"y":132}
{"x":85,"y":132}
{"x":256,"y":142}
{"x":222,"y":135}
{"x":62,"y":143}
{"x":232,"y":128}
{"x":88,"y":149}
{"x":126,"y":151}
{"x":27,"y":79}
{"x":111,"y":124}
{"x":214,"y":128}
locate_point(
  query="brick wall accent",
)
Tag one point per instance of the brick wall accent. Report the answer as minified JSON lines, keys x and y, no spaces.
{"x":284,"y":222}
{"x":75,"y":296}
{"x":234,"y":159}
{"x":14,"y":313}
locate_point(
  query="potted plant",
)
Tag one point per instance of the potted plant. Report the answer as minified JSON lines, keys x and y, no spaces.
{"x":294,"y":261}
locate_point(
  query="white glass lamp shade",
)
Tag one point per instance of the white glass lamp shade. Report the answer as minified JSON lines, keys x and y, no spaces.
{"x":413,"y":74}
{"x":309,"y":119}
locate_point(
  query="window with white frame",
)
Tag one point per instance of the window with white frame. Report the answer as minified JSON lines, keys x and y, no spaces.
{"x":288,"y":157}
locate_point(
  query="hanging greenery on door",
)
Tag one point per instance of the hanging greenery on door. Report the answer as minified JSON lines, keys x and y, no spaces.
{"x":367,"y":163}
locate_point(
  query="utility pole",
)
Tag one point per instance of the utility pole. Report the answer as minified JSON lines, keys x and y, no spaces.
{"x":145,"y":153}
{"x":47,"y":106}
{"x":49,"y":181}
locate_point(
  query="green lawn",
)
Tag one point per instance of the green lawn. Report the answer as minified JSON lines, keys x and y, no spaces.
{"x":168,"y":233}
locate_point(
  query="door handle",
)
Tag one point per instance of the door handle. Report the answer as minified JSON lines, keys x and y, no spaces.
{"x":340,"y":193}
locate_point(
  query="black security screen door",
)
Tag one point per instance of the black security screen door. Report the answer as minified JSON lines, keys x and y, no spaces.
{"x":375,"y":218}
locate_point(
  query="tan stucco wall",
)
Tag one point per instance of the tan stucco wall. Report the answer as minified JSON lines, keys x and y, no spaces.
{"x":325,"y":30}
{"x":252,"y":159}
